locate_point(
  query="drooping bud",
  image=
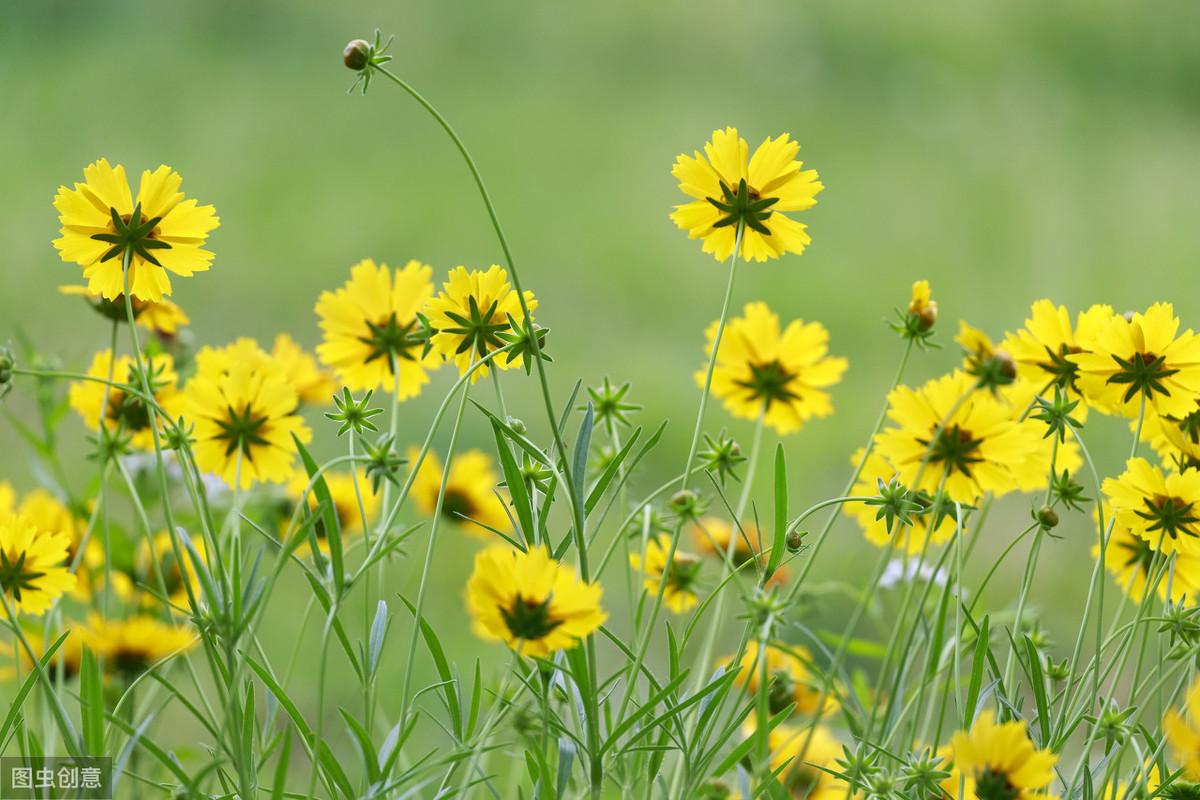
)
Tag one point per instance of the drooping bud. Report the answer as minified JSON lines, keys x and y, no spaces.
{"x":1046,"y":516}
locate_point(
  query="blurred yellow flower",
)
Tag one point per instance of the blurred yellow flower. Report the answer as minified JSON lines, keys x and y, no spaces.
{"x":163,"y":318}
{"x":345,"y":499}
{"x":132,"y":646}
{"x":733,"y":188}
{"x":910,"y":539}
{"x":372,"y":322}
{"x":1001,"y":759}
{"x":711,"y":537}
{"x":789,"y":677}
{"x":33,"y":570}
{"x":470,"y":491}
{"x":679,"y":576}
{"x":762,"y":371}
{"x":99,"y":222}
{"x":531,"y":602}
{"x":313,"y":385}
{"x":125,"y":410}
{"x":469,"y":315}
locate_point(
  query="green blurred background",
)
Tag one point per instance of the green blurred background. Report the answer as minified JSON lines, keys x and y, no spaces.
{"x":1004,"y":151}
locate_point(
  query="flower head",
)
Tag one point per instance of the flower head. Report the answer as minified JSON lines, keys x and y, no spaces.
{"x":733,"y":189}
{"x":1141,"y":358}
{"x":678,"y":576}
{"x":760,"y":370}
{"x":244,"y":421}
{"x":927,"y":523}
{"x":470,"y":316}
{"x":1157,"y":506}
{"x":134,"y":645}
{"x":32,"y":571}
{"x":531,"y":602}
{"x":371,"y":327}
{"x":156,"y":557}
{"x":1183,"y":735}
{"x":1001,"y":759}
{"x":101,"y":220}
{"x":790,"y":678}
{"x":162,"y":318}
{"x":126,"y":411}
{"x":470,"y":491}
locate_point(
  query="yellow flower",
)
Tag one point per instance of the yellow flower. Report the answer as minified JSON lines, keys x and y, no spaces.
{"x":679,"y":576}
{"x":789,"y":677}
{"x":1141,"y":358}
{"x":68,"y":657}
{"x":711,"y":536}
{"x":922,"y":309}
{"x":345,"y":499}
{"x":125,"y":410}
{"x":759,"y":369}
{"x":99,"y":223}
{"x":1043,"y":348}
{"x":32,"y":571}
{"x":981,"y":448}
{"x":470,"y":491}
{"x":470,"y":314}
{"x":800,"y":750}
{"x":312,"y":384}
{"x":1184,"y":735}
{"x":221,"y":360}
{"x":1132,"y":560}
{"x":731,"y":187}
{"x":244,"y":423}
{"x":531,"y":602}
{"x":163,"y":318}
{"x":1158,"y":507}
{"x":909,"y":539}
{"x":372,"y":322}
{"x":1002,"y":760}
{"x":134,"y":645}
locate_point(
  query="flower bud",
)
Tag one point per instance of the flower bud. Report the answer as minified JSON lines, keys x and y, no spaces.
{"x":7,"y":364}
{"x":1046,"y":516}
{"x":357,"y":54}
{"x":517,"y":425}
{"x":685,"y":504}
{"x":1008,"y":365}
{"x":795,"y":540}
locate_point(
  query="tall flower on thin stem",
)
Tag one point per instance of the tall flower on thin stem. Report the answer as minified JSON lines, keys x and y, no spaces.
{"x":1157,"y":506}
{"x":101,"y":219}
{"x":783,"y":375}
{"x":371,"y":328}
{"x":1002,"y":760}
{"x":733,"y":188}
{"x":471,"y":316}
{"x":32,"y":571}
{"x":679,"y":574}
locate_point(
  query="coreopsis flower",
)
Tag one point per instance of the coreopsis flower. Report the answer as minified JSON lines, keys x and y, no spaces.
{"x":783,"y":376}
{"x":790,"y":679}
{"x":126,"y":411}
{"x":711,"y":537}
{"x":101,"y":220}
{"x":1042,"y":348}
{"x":800,"y":750}
{"x":979,"y":448}
{"x":1159,"y":507}
{"x":313,"y":385}
{"x":132,"y":646}
{"x":531,"y":602}
{"x":991,"y":366}
{"x":1132,"y":560}
{"x":370,"y":327}
{"x":910,"y":539}
{"x":471,"y":315}
{"x":1142,"y":358}
{"x":678,"y":576}
{"x":1183,"y":735}
{"x":244,"y":421}
{"x":245,"y":350}
{"x":731,"y":189}
{"x":1002,"y":760}
{"x":470,"y":491}
{"x":162,"y":318}
{"x":922,"y":308}
{"x":33,"y":571}
{"x":345,"y":497}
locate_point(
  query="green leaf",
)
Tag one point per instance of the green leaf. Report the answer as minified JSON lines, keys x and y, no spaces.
{"x":566,"y":759}
{"x":781,"y":519}
{"x":91,"y":703}
{"x":1038,"y":682}
{"x":610,"y":472}
{"x":375,"y":642}
{"x":443,"y":669}
{"x":27,"y":686}
{"x":281,"y":769}
{"x":742,"y":749}
{"x":516,"y":485}
{"x":365,"y":745}
{"x":333,"y":531}
{"x":248,"y":720}
{"x":583,"y":442}
{"x":977,"y":665}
